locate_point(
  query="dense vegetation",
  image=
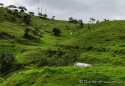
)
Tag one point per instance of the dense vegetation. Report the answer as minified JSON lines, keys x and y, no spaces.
{"x":37,"y":51}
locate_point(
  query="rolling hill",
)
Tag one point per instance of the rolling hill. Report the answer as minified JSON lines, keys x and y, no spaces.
{"x":49,"y":60}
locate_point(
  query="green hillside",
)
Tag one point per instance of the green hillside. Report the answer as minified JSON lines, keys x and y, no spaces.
{"x":47,"y":60}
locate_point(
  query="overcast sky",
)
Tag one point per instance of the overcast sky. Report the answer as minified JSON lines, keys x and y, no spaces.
{"x":78,"y":9}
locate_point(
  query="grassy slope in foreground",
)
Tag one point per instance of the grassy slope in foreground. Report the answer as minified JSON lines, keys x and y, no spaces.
{"x":102,"y":75}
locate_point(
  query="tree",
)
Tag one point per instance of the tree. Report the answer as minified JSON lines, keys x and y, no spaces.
{"x":6,"y":62}
{"x":92,"y":19}
{"x":31,"y":13}
{"x":53,"y":18}
{"x":75,"y":21}
{"x":40,"y":15}
{"x":97,"y":21}
{"x":26,"y":34}
{"x":1,"y":4}
{"x":81,"y":23}
{"x":36,"y":32}
{"x":45,"y":16}
{"x":89,"y":26}
{"x":15,"y":15}
{"x":27,"y":19}
{"x":12,"y":6}
{"x":30,"y":34}
{"x":3,"y":14}
{"x":71,"y":19}
{"x":22,"y":8}
{"x":56,"y":31}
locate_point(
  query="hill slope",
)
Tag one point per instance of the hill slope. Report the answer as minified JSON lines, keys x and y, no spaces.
{"x":48,"y":61}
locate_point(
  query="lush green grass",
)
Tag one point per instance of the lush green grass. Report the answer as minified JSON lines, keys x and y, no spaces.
{"x":102,"y":46}
{"x":68,"y":76}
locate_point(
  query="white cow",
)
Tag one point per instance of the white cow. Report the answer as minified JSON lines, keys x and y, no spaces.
{"x":82,"y":64}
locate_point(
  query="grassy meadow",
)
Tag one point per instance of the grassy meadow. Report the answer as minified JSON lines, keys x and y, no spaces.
{"x":49,"y":60}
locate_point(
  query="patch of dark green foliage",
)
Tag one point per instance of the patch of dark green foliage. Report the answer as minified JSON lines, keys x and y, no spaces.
{"x":6,"y":63}
{"x":58,"y":57}
{"x":56,"y":32}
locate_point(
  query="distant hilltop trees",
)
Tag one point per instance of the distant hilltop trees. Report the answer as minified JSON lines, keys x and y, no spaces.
{"x":15,"y":14}
{"x":44,"y":16}
{"x":31,"y":13}
{"x":23,"y":9}
{"x":75,"y":21}
{"x":1,"y":4}
{"x":11,"y":6}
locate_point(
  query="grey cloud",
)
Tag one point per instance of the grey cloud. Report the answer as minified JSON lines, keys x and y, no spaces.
{"x":57,"y":4}
{"x":79,"y":9}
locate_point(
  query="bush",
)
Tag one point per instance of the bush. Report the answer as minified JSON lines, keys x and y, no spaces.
{"x":58,"y":57}
{"x":42,"y":62}
{"x":27,"y":19}
{"x":56,"y":32}
{"x":6,"y":63}
{"x":5,"y":35}
{"x":26,"y":34}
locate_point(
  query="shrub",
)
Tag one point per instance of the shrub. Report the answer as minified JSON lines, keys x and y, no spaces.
{"x":6,"y":62}
{"x":42,"y":61}
{"x":26,"y":34}
{"x":5,"y":35}
{"x":27,"y":19}
{"x":56,"y":32}
{"x":58,"y":57}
